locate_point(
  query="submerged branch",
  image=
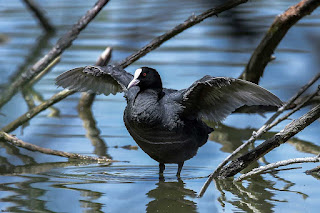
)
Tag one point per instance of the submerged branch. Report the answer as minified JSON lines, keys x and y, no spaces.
{"x":282,"y":23}
{"x":17,"y":142}
{"x":64,"y":42}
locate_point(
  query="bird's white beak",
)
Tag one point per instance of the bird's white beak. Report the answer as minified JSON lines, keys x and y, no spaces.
{"x":135,"y":80}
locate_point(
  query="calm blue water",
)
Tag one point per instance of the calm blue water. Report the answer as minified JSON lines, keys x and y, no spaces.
{"x":220,"y":46}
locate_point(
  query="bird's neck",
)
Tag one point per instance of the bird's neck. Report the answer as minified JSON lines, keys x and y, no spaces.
{"x":156,"y":90}
{"x":154,"y":86}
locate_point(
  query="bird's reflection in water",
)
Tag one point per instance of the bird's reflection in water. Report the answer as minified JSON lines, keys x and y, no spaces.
{"x":171,"y":197}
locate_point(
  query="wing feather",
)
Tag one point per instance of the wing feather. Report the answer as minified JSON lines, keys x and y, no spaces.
{"x":95,"y":79}
{"x":214,"y":99}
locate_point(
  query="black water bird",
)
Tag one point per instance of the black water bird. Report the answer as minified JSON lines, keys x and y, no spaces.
{"x":168,"y":124}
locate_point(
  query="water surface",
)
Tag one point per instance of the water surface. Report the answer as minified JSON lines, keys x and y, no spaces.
{"x":222,"y":46}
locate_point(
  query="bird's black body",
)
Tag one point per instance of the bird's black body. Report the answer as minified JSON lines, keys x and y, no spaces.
{"x":168,"y":124}
{"x":159,"y":128}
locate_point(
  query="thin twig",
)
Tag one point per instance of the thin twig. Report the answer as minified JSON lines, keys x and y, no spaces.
{"x":44,"y":21}
{"x":64,"y":42}
{"x":257,"y":134}
{"x":270,"y":166}
{"x":44,"y":71}
{"x":298,"y":107}
{"x":299,"y":93}
{"x":282,"y":23}
{"x":17,"y":142}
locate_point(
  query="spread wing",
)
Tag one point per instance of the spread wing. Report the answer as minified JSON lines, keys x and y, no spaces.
{"x":95,"y":79}
{"x":213,"y":99}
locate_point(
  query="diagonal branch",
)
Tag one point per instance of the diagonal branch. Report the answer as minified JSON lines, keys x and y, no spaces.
{"x":191,"y":21}
{"x":299,"y":106}
{"x":282,"y":23}
{"x":290,"y":130}
{"x":64,"y":42}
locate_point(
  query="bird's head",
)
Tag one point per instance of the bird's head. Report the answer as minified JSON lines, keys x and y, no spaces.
{"x":146,"y":78}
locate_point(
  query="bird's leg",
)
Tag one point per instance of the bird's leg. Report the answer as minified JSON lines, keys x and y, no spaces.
{"x":180,"y":165}
{"x":161,"y":168}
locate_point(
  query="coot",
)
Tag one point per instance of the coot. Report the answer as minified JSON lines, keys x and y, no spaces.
{"x":168,"y":124}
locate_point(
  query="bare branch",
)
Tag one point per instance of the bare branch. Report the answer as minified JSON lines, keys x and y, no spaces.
{"x":282,"y":23}
{"x":17,"y":142}
{"x":270,"y":166}
{"x":44,"y":21}
{"x":44,"y":71}
{"x":105,"y":57}
{"x":64,"y":42}
{"x":299,"y":93}
{"x":294,"y":110}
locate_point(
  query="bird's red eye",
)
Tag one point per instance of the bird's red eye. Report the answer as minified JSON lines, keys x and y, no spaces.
{"x":144,"y":74}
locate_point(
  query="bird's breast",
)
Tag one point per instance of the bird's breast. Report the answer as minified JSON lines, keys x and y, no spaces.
{"x":144,"y":110}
